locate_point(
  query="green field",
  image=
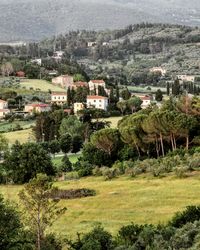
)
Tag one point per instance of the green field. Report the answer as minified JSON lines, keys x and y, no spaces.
{"x":144,"y":90}
{"x":113,"y":121}
{"x":122,"y":201}
{"x":22,"y":136}
{"x":6,"y":126}
{"x":39,"y":84}
{"x":73,"y":158}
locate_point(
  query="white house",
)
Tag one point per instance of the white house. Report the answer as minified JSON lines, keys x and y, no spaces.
{"x":91,"y":44}
{"x":37,"y":107}
{"x":186,"y":78}
{"x":37,"y":61}
{"x":59,"y":98}
{"x":146,"y":101}
{"x":93,"y":84}
{"x":57,"y":55}
{"x":98,"y":102}
{"x":3,"y":108}
{"x":78,"y":106}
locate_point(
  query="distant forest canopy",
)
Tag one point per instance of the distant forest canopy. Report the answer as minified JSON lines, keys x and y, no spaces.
{"x":124,"y":53}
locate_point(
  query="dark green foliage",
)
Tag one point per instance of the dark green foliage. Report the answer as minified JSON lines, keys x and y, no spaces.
{"x":83,"y":168}
{"x":128,"y":235}
{"x":176,"y":88}
{"x":125,"y":94}
{"x":190,"y":214}
{"x":127,"y":153}
{"x":50,"y":242}
{"x":48,"y":124}
{"x":12,"y":234}
{"x":54,"y":147}
{"x":71,"y":193}
{"x":97,"y":239}
{"x":66,"y":143}
{"x":95,"y":156}
{"x":158,"y":95}
{"x":25,"y":161}
{"x":77,"y":142}
{"x":66,"y":165}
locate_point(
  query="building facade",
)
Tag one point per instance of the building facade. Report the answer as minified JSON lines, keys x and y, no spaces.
{"x":59,"y":98}
{"x":98,"y":102}
{"x":3,"y":108}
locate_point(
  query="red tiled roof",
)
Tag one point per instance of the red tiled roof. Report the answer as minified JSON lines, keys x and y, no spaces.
{"x":98,"y":81}
{"x":3,"y":110}
{"x":96,"y":97}
{"x":79,"y":83}
{"x":39,"y":105}
{"x":2,"y":101}
{"x":145,"y":98}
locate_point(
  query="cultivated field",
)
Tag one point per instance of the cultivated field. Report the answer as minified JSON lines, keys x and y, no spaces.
{"x":39,"y":84}
{"x":122,"y":201}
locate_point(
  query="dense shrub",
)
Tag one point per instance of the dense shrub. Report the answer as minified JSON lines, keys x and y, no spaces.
{"x":71,"y":193}
{"x":190,"y":214}
{"x":83,"y":168}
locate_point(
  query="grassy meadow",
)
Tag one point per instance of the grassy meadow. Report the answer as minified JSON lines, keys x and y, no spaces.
{"x":39,"y":84}
{"x":121,"y":201}
{"x":113,"y":120}
{"x":22,"y":136}
{"x":72,"y":157}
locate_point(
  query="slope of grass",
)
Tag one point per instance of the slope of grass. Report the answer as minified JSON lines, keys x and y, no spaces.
{"x":121,"y":201}
{"x":39,"y":84}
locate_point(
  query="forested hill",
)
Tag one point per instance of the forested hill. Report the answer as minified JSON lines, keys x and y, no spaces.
{"x":132,"y":50}
{"x":34,"y":20}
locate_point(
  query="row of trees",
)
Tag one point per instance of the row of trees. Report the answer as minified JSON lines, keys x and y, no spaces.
{"x":151,"y":132}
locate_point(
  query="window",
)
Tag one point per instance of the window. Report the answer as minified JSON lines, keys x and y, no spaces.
{"x":99,"y":100}
{"x":94,"y":100}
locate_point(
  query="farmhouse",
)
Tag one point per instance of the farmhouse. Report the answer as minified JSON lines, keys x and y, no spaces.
{"x":59,"y":98}
{"x":4,"y":108}
{"x":65,"y":81}
{"x":98,"y":102}
{"x":37,"y":108}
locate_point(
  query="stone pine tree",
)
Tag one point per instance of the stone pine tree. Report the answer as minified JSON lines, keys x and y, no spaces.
{"x":39,"y":209}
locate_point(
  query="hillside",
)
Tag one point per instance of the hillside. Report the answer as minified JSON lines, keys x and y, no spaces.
{"x":34,"y":20}
{"x":132,"y":51}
